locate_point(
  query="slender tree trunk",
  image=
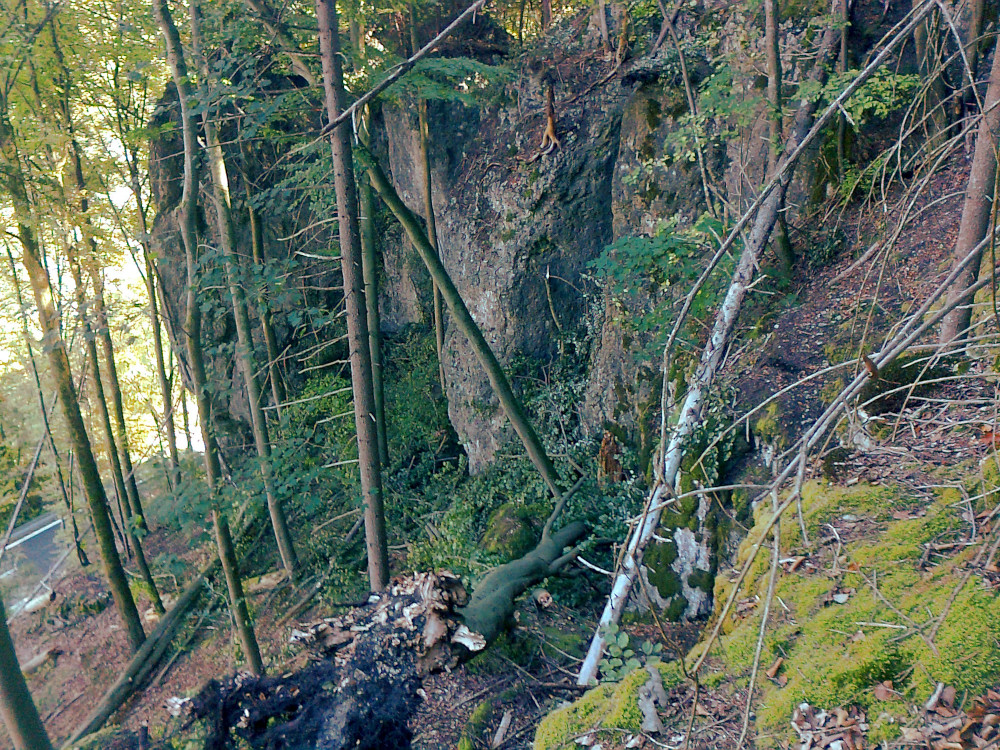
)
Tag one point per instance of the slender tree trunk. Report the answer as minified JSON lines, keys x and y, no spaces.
{"x":278,"y":392}
{"x":60,"y":369}
{"x":600,"y":7}
{"x":463,"y":319}
{"x":927,"y":62}
{"x":115,"y":391}
{"x":237,"y":599}
{"x":186,"y":422}
{"x":178,"y":70}
{"x":423,"y":139}
{"x":425,"y":157}
{"x":354,"y":296}
{"x":82,"y":221}
{"x":370,"y":259}
{"x":81,"y":555}
{"x":976,"y":211}
{"x":244,"y":345}
{"x":772,"y":17}
{"x":189,"y":237}
{"x":546,"y":14}
{"x":17,"y":708}
{"x":166,"y":392}
{"x":974,"y":30}
{"x":113,"y":454}
{"x":845,"y":18}
{"x":165,"y":383}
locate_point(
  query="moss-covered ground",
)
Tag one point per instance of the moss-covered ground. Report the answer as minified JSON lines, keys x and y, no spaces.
{"x":914,"y":606}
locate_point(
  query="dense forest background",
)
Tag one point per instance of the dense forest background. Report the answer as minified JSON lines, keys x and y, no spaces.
{"x":603,"y":374}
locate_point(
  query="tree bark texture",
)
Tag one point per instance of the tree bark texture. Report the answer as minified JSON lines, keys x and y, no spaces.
{"x":352,"y":265}
{"x":17,"y":708}
{"x":976,"y":211}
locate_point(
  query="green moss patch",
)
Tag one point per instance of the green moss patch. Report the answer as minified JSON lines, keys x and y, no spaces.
{"x":609,"y":706}
{"x":835,"y":653}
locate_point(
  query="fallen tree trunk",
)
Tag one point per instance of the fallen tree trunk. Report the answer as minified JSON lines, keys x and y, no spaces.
{"x":764,"y":213}
{"x":363,"y":689}
{"x":145,"y":660}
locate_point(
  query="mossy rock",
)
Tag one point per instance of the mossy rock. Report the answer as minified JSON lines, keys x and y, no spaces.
{"x":773,"y":427}
{"x":610,"y":705}
{"x":513,"y":530}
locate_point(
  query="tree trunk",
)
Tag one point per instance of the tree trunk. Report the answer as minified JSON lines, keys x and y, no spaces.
{"x":166,"y":392}
{"x":974,"y":30}
{"x":772,"y":17}
{"x":113,"y":454}
{"x":115,"y":390}
{"x":546,"y":15}
{"x":189,"y":237}
{"x":17,"y":708}
{"x":425,"y":158}
{"x":82,"y":222}
{"x":237,"y":599}
{"x":423,"y":139}
{"x":278,"y":392}
{"x":48,"y":320}
{"x":354,"y":298}
{"x":928,"y":62}
{"x":976,"y":211}
{"x":370,"y":262}
{"x":81,"y":554}
{"x":244,"y":345}
{"x":466,"y":324}
{"x":165,"y":383}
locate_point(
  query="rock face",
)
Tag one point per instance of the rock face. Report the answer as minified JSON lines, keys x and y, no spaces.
{"x":515,"y":235}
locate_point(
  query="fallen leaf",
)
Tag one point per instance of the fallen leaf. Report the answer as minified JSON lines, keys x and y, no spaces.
{"x":884,"y":691}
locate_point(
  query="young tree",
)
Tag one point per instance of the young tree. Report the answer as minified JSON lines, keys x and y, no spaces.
{"x":113,"y":454}
{"x":354,"y":297}
{"x":17,"y":708}
{"x":188,"y":214}
{"x":90,"y":264}
{"x":370,"y":260}
{"x":244,"y":345}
